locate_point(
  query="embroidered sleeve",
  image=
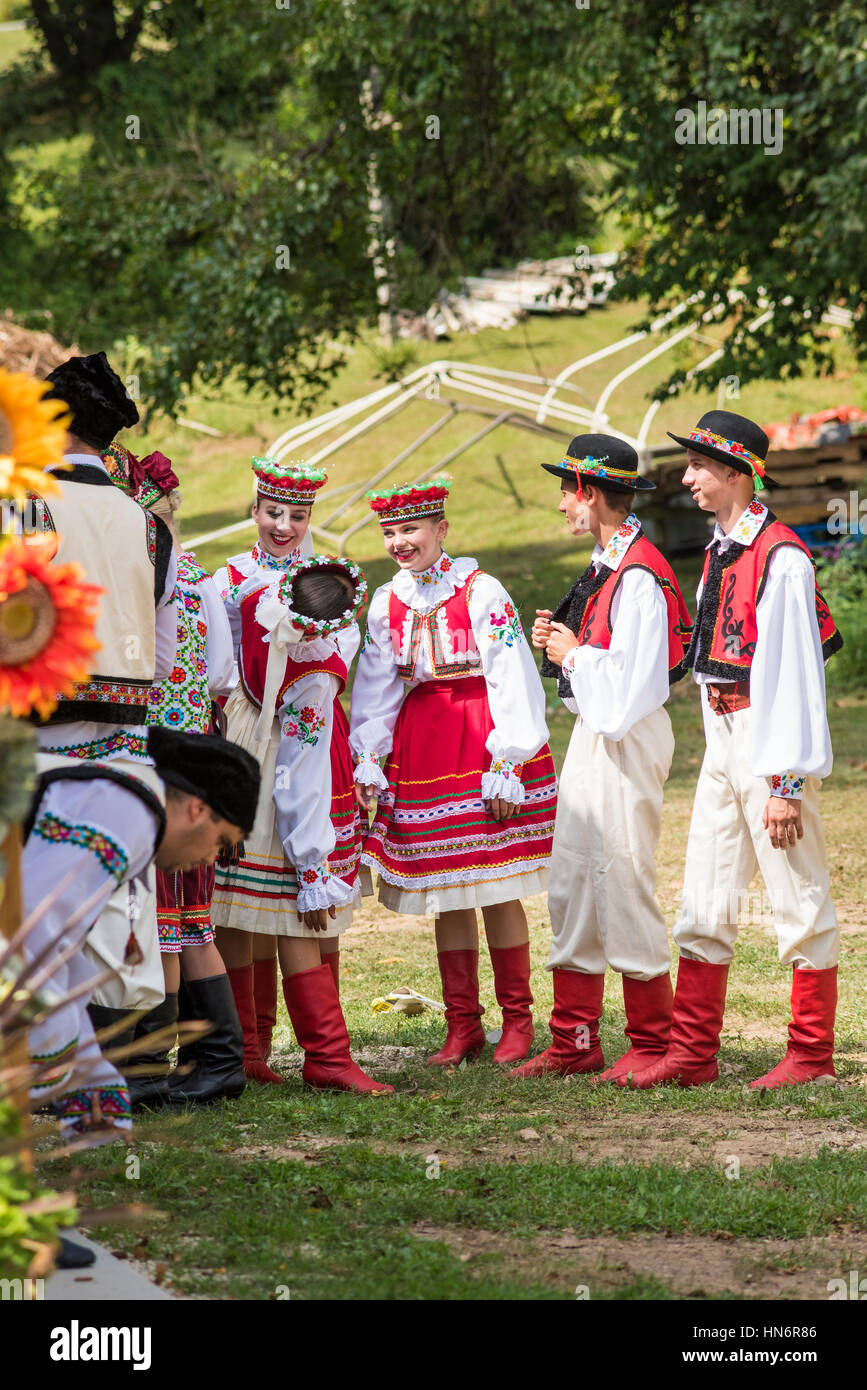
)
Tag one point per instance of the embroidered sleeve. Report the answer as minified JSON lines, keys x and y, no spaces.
{"x":368,"y":773}
{"x":110,"y":854}
{"x":304,"y":723}
{"x":503,"y":779}
{"x":504,"y":625}
{"x":319,"y":888}
{"x":514,"y":687}
{"x":787,"y":784}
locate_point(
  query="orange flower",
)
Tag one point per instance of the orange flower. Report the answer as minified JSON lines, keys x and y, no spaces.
{"x":32,"y":435}
{"x":47,"y":621}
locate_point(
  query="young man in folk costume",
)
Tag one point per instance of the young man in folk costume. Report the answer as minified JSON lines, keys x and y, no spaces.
{"x":761,"y":636}
{"x":212,"y":1066}
{"x":615,"y":643}
{"x":448,"y":695}
{"x":298,"y":877}
{"x":282,"y":510}
{"x":92,"y":827}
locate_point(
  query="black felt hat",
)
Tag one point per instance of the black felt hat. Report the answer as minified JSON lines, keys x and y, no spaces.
{"x":96,"y":396}
{"x":600,"y":458}
{"x":732,"y":439}
{"x":222,"y":774}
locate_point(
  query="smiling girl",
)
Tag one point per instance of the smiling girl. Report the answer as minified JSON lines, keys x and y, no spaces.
{"x":448,"y":695}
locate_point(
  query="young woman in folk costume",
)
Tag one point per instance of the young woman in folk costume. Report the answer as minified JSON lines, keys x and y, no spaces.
{"x":212,"y":1067}
{"x":284,"y":497}
{"x":448,"y":694}
{"x":299,"y":873}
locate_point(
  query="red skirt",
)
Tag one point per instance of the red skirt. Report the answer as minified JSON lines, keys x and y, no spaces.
{"x":431,"y":830}
{"x":184,"y":907}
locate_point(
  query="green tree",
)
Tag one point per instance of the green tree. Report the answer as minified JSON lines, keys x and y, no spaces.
{"x":705,"y":219}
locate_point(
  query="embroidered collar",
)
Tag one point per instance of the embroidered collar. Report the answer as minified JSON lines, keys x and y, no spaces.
{"x":745,"y":529}
{"x":618,"y":545}
{"x":424,"y":591}
{"x":266,"y":561}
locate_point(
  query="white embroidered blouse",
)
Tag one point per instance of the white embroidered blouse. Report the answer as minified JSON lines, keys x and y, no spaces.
{"x":613,"y":689}
{"x":515,"y":693}
{"x":788,"y":718}
{"x":302,"y":774}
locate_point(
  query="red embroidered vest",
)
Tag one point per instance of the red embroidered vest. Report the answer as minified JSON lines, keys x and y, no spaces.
{"x":724,"y":639}
{"x":595,"y":628}
{"x":447,"y":630}
{"x":253,"y":658}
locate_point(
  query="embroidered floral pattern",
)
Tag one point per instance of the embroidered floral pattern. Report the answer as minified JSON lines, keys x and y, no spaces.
{"x":183,"y":700}
{"x":787,"y":784}
{"x":266,"y":561}
{"x":620,"y":542}
{"x":435,"y":573}
{"x":506,"y":768}
{"x":314,"y":873}
{"x":305,"y":724}
{"x":109,"y":853}
{"x":124,"y":742}
{"x":749,"y":523}
{"x":505,"y":625}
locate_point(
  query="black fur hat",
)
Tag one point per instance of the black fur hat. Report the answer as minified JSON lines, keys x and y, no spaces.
{"x":221,"y":773}
{"x":96,"y":396}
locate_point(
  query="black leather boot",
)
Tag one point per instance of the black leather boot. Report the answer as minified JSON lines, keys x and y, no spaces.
{"x":217,"y":1059}
{"x":102,"y":1017}
{"x":151,"y":1088}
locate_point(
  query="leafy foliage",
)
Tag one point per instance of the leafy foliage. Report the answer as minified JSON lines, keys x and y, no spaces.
{"x":842,"y":577}
{"x":703,"y":219}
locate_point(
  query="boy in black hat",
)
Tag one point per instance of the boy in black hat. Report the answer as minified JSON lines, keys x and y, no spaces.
{"x":615,"y":643}
{"x":761,"y":636}
{"x":92,"y":828}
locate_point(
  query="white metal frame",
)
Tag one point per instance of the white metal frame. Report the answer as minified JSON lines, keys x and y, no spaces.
{"x":504,"y":397}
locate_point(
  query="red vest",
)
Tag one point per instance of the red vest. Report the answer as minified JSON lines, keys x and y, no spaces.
{"x":253,"y":658}
{"x":726,"y":629}
{"x":595,"y":626}
{"x":447,"y":631}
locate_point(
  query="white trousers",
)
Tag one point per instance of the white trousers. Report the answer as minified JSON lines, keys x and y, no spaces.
{"x":727,"y":843}
{"x":603,"y":875}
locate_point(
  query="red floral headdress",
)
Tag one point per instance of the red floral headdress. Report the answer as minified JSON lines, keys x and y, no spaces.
{"x":410,"y":503}
{"x":296,"y":483}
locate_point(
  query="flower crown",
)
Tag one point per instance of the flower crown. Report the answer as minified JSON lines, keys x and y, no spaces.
{"x":323,"y":627}
{"x":409,"y":502}
{"x":296,"y":483}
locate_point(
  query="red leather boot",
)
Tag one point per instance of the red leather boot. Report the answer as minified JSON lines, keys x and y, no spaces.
{"x":459,"y":972}
{"x":332,"y":960}
{"x":241,"y":980}
{"x":265,"y":998}
{"x":318,"y":1023}
{"x":574,"y":1028}
{"x":512,"y":985}
{"x":811,"y":1032}
{"x":699,"y":1004}
{"x":648,"y":1005}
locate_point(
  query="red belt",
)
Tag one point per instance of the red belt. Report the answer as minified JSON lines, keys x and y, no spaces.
{"x":729,"y":696}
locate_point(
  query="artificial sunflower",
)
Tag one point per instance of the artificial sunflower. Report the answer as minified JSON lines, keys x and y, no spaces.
{"x":47,"y":622}
{"x":32,"y":435}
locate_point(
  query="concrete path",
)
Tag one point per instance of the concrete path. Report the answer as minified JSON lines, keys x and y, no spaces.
{"x":109,"y":1279}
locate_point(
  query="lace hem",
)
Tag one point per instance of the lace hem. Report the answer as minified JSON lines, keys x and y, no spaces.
{"x":368,"y":773}
{"x":504,"y":781}
{"x":326,"y":892}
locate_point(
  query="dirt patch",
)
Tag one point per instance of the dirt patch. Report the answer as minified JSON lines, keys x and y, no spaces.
{"x":692,"y":1266}
{"x":683,"y":1140}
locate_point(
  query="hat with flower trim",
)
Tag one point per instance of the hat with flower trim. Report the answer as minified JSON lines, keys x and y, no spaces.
{"x":329,"y":564}
{"x":295,"y":483}
{"x":410,"y":501}
{"x":145,"y":480}
{"x":733,"y":439}
{"x":600,"y":458}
